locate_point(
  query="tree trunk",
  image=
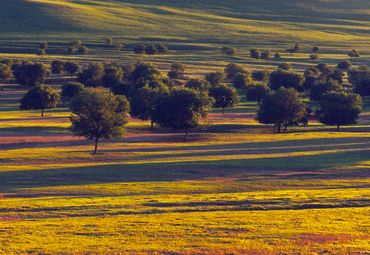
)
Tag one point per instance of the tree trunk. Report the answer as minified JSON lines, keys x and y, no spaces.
{"x":151,"y":124}
{"x":186,"y":134}
{"x":96,"y":145}
{"x":42,"y":112}
{"x":278,"y":128}
{"x":337,"y":128}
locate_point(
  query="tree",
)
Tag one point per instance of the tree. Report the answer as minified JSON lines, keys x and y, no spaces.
{"x":260,"y":75}
{"x":241,"y":81}
{"x":57,"y":66}
{"x":182,"y":109}
{"x":113,"y":74}
{"x":76,"y":43}
{"x":287,"y":79}
{"x":151,"y":50}
{"x":71,"y":89}
{"x":108,"y":40}
{"x":161,"y":48}
{"x":99,"y":114}
{"x":224,"y":96}
{"x":257,"y":92}
{"x":177,"y":70}
{"x":265,"y":54}
{"x":229,"y":51}
{"x":144,"y":71}
{"x":139,"y":48}
{"x":92,"y":76}
{"x":143,"y":101}
{"x":83,"y":50}
{"x":231,"y":70}
{"x":71,"y":50}
{"x":285,"y":66}
{"x":314,"y":56}
{"x":255,"y":53}
{"x":71,"y":67}
{"x":5,"y":72}
{"x":41,"y":52}
{"x":362,"y":87}
{"x":40,"y":98}
{"x":319,"y":89}
{"x":31,"y":74}
{"x":339,"y":108}
{"x":281,"y":108}
{"x":354,"y":54}
{"x":345,"y":65}
{"x":198,"y":84}
{"x":315,"y":49}
{"x":43,"y":45}
{"x":215,"y":78}
{"x":277,"y":55}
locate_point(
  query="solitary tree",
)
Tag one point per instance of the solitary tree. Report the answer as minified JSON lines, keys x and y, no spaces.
{"x":31,"y":74}
{"x":182,"y":109}
{"x":339,"y":108}
{"x":231,"y":70}
{"x":139,"y":48}
{"x":71,"y":67}
{"x":282,"y":78}
{"x":281,"y":109}
{"x":224,"y":96}
{"x":99,"y":114}
{"x":40,"y":98}
{"x":57,"y":66}
{"x":83,"y":50}
{"x":161,"y":48}
{"x":92,"y":76}
{"x":215,"y":78}
{"x":344,"y":65}
{"x":177,"y":70}
{"x":151,"y":50}
{"x":5,"y":72}
{"x":71,"y":89}
{"x":255,"y":53}
{"x":257,"y":92}
{"x":229,"y":51}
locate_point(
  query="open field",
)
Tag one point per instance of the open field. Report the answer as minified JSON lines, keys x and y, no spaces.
{"x":234,"y":188}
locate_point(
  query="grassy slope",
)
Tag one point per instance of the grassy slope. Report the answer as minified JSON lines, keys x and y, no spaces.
{"x":198,"y":21}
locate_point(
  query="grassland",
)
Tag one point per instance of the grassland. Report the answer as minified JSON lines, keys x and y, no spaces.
{"x":234,"y":188}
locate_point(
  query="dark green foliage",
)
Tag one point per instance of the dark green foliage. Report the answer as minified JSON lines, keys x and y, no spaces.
{"x":182,"y":109}
{"x":139,"y":48}
{"x":31,"y":74}
{"x":314,"y":56}
{"x":231,"y":70}
{"x":40,"y":98}
{"x":354,"y":54}
{"x":76,"y":43}
{"x":41,"y":52}
{"x":339,"y":108}
{"x":362,"y":87}
{"x":71,"y":67}
{"x":224,"y":96}
{"x":144,"y":71}
{"x":337,"y":75}
{"x":265,"y":54}
{"x":122,"y":88}
{"x":43,"y":45}
{"x":287,"y":79}
{"x":241,"y":81}
{"x":319,"y":89}
{"x":198,"y":84}
{"x":260,"y":75}
{"x":255,"y":53}
{"x":92,"y":76}
{"x":71,"y":89}
{"x":229,"y":51}
{"x":108,"y":40}
{"x":161,"y":48}
{"x":345,"y":65}
{"x":311,"y":76}
{"x":57,"y":66}
{"x":113,"y":75}
{"x":359,"y":73}
{"x":151,"y":49}
{"x":99,"y":114}
{"x":215,"y":78}
{"x":177,"y":71}
{"x":281,"y":108}
{"x":277,"y":55}
{"x":71,"y":50}
{"x":83,"y":50}
{"x":5,"y":72}
{"x":143,"y":101}
{"x":285,"y":66}
{"x":315,"y":49}
{"x":257,"y":92}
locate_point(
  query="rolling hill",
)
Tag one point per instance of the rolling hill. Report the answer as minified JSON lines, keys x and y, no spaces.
{"x":204,"y":21}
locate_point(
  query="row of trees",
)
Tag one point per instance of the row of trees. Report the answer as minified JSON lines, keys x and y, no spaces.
{"x":145,"y":93}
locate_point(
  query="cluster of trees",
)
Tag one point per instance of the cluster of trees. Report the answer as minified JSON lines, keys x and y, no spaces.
{"x":175,"y":101}
{"x":151,"y":49}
